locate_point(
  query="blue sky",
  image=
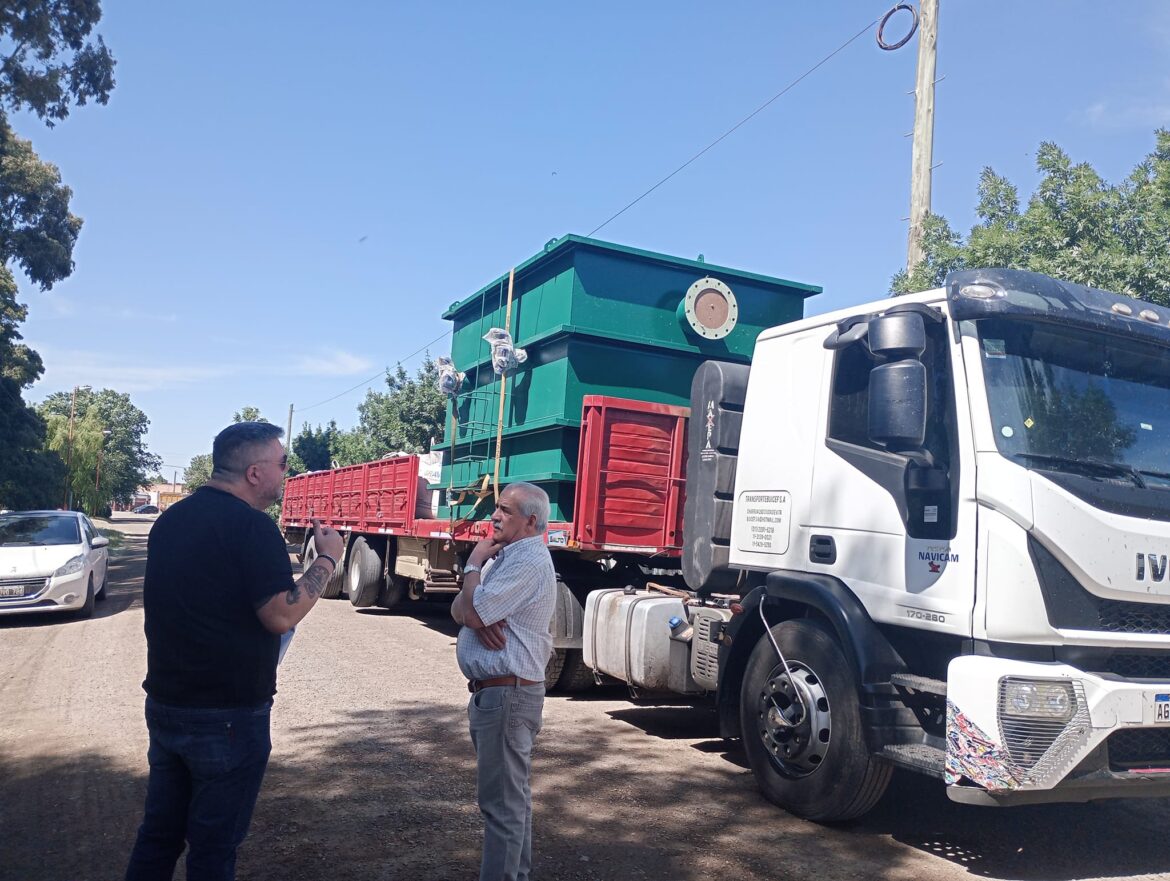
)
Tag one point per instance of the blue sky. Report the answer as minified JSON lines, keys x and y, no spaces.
{"x":282,"y":198}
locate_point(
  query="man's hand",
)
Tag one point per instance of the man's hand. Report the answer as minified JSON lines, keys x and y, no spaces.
{"x":492,"y":636}
{"x":485,"y":550}
{"x":327,"y":541}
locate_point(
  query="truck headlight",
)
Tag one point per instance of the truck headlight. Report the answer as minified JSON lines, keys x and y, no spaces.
{"x":1037,"y":698}
{"x":72,"y":567}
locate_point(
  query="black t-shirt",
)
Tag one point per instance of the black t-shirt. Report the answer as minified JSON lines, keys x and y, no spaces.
{"x":212,"y":561}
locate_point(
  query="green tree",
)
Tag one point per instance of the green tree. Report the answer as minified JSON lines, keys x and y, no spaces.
{"x":404,"y":418}
{"x":1077,"y":227}
{"x":126,"y":463}
{"x":49,"y":65}
{"x":248,"y":414}
{"x":198,"y":472}
{"x":312,"y":448}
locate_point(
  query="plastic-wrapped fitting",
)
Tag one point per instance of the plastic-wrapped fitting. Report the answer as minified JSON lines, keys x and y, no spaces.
{"x":505,"y":356}
{"x":449,"y":379}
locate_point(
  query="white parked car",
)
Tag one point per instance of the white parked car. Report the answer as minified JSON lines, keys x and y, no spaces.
{"x":51,"y":560}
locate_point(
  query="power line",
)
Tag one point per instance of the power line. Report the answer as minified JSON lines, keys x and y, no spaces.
{"x":377,"y":375}
{"x":734,"y":127}
{"x":596,"y":229}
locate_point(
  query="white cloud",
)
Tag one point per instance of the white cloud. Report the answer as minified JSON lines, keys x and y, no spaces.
{"x":1149,"y":111}
{"x":65,"y":369}
{"x":331,"y":364}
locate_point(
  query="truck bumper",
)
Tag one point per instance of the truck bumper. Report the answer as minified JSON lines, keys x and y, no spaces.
{"x":1024,"y":733}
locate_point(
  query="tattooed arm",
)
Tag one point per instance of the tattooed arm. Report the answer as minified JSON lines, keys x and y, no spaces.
{"x":285,"y":610}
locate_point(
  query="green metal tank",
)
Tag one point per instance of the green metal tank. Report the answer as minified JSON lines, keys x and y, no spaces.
{"x":595,"y":318}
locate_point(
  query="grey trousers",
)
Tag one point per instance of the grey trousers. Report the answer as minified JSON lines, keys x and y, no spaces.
{"x":504,"y":722}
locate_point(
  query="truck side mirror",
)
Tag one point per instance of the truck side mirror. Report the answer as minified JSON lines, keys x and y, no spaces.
{"x":897,"y":335}
{"x":897,"y":405}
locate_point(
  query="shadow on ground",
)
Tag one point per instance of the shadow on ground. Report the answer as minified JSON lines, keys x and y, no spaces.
{"x":390,"y":794}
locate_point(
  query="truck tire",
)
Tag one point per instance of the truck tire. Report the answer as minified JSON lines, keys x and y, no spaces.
{"x":553,"y":669}
{"x":333,"y":585}
{"x":813,"y":764}
{"x":393,"y":591}
{"x":575,"y":676}
{"x":363,"y":574}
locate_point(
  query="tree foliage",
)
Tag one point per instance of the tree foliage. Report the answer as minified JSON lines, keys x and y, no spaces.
{"x":312,"y":448}
{"x":404,"y":418}
{"x":198,"y":472}
{"x":126,"y":463}
{"x":1076,"y":227}
{"x":248,"y":414}
{"x":50,"y":64}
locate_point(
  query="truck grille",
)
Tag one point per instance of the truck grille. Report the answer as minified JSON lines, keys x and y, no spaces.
{"x":1139,"y":748}
{"x":1139,"y":666}
{"x":1122,"y":617}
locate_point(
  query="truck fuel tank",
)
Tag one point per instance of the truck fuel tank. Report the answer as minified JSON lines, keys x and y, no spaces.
{"x":628,"y":636}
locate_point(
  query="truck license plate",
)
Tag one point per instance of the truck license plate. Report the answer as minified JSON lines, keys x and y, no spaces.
{"x":1162,"y":709}
{"x":17,"y":590}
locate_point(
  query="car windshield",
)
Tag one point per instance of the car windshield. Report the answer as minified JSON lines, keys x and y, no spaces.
{"x":26,"y":530}
{"x":1079,"y":400}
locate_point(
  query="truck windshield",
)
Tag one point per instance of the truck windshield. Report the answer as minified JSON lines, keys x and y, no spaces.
{"x":1078,"y":400}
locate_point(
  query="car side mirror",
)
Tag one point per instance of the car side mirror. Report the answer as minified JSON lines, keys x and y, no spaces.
{"x":99,"y":542}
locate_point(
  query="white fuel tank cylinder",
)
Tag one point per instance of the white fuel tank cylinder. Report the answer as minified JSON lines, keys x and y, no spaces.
{"x":628,"y":636}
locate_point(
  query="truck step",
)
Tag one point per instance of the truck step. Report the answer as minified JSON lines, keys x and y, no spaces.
{"x":922,"y":684}
{"x":919,"y":757}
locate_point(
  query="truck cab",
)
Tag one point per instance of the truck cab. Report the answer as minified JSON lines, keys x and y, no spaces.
{"x":949,"y":523}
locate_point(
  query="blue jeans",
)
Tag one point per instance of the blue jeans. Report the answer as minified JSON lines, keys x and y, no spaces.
{"x":206,"y":767}
{"x":504,"y":722}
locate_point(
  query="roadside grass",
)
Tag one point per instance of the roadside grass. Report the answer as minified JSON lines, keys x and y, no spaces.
{"x":116,"y":538}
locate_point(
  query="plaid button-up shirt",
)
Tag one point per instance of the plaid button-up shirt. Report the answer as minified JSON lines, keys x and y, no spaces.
{"x":519,"y":588}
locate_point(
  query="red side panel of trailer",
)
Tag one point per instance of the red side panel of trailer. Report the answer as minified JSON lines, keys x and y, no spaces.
{"x":372,"y":497}
{"x":631,"y":473}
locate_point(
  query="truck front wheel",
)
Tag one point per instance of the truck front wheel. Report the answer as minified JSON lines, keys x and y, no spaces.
{"x":802,"y":727}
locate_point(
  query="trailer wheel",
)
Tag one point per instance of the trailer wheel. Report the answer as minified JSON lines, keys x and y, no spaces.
{"x":803,"y":735}
{"x":393,"y":591}
{"x":363,"y":574}
{"x":333,"y":585}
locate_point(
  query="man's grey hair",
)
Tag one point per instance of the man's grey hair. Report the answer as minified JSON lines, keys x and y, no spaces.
{"x":531,"y":500}
{"x":235,"y":448}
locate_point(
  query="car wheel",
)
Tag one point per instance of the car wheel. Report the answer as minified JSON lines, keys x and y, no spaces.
{"x":101,"y":594}
{"x":363,"y":574}
{"x":86,"y":611}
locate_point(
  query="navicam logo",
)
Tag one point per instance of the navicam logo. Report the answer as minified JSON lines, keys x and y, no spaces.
{"x":1156,"y":567}
{"x":935,"y":556}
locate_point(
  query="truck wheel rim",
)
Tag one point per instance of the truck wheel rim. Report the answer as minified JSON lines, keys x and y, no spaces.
{"x":794,"y":721}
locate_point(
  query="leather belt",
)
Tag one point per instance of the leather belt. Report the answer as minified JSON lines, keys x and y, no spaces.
{"x":480,"y":684}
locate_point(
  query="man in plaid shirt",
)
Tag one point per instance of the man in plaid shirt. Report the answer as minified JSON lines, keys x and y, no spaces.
{"x":503,"y":648}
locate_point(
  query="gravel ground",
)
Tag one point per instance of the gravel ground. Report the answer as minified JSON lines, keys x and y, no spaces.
{"x":372,"y":774}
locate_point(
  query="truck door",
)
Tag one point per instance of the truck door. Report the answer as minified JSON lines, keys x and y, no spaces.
{"x":893,"y":516}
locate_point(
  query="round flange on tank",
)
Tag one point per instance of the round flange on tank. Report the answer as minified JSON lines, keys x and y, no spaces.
{"x":710,"y":308}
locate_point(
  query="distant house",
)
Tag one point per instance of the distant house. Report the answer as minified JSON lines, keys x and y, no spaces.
{"x":164,"y":494}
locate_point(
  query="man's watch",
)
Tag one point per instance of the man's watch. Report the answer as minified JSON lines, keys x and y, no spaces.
{"x":471,"y":567}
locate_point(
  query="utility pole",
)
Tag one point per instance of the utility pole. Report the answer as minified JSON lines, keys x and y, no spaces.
{"x":288,"y":433}
{"x":923,"y":151}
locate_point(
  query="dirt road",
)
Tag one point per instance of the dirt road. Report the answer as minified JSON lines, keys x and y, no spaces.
{"x":372,"y":774}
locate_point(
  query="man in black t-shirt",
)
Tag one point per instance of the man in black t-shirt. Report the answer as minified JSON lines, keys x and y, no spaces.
{"x":218,"y":593}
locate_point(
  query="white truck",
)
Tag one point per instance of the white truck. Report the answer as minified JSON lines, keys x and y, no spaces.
{"x":928,"y":533}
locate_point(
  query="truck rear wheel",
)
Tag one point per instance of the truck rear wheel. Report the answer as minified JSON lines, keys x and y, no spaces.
{"x":802,"y":733}
{"x":363,"y":574}
{"x":333,"y":585}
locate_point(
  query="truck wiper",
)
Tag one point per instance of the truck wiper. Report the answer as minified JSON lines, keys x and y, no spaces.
{"x":1092,"y":465}
{"x":1163,"y":475}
